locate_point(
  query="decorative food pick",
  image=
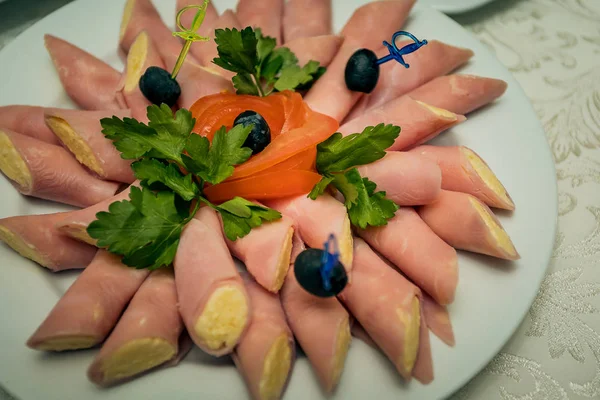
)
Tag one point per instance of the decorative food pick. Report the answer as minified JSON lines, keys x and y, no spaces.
{"x":362,"y":70}
{"x":320,"y":272}
{"x":157,"y":84}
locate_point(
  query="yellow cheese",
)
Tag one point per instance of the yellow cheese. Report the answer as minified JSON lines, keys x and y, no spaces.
{"x":22,"y":247}
{"x":73,"y":342}
{"x":498,"y":233}
{"x":135,"y":61}
{"x":276,"y":368}
{"x":412,"y":325}
{"x":487,"y":176}
{"x":283,"y":263}
{"x":342,"y":344}
{"x":126,"y":18}
{"x":13,"y":165}
{"x":136,"y":356}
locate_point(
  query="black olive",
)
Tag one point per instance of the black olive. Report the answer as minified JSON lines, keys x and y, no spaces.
{"x":307,"y":270}
{"x":362,"y":71}
{"x":159,"y":87}
{"x":260,"y":136}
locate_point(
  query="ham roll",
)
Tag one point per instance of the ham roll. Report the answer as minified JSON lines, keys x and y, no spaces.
{"x":266,"y":252}
{"x":90,"y":82}
{"x":460,"y":94}
{"x":321,"y":326}
{"x":46,"y":171}
{"x":209,"y":49}
{"x":463,"y":170}
{"x":81,"y":133}
{"x":318,"y":48}
{"x":28,"y":121}
{"x":266,"y":352}
{"x":419,"y":121}
{"x":466,"y":223}
{"x":212,"y":299}
{"x":36,"y":238}
{"x":418,"y":252}
{"x":438,"y":320}
{"x":89,"y":310}
{"x":395,"y":80}
{"x":306,"y":18}
{"x":406,"y":179}
{"x":145,"y":337}
{"x":264,"y":14}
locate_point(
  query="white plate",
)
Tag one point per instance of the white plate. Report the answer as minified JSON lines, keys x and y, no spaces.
{"x":455,"y":6}
{"x":493,"y":296}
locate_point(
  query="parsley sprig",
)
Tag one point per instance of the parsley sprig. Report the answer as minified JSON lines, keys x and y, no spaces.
{"x":260,"y":67}
{"x":337,"y":159}
{"x":173,"y":165}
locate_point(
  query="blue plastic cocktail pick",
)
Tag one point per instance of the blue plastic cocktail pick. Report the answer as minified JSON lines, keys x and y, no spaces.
{"x":396,"y":53}
{"x":329,"y":260}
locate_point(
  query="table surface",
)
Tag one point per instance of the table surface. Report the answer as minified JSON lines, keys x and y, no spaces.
{"x":552,"y":47}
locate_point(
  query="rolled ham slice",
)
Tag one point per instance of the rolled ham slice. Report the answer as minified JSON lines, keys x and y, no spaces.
{"x":406,"y":179}
{"x":141,"y":15}
{"x":264,"y":14}
{"x":367,"y":28}
{"x":36,"y":238}
{"x":29,"y":121}
{"x":387,"y":306}
{"x":266,"y":352}
{"x":266,"y":252}
{"x":418,"y":252}
{"x":74,"y":224}
{"x":321,"y":326}
{"x":438,"y":320}
{"x":430,"y":61}
{"x":419,"y":121}
{"x":145,"y":337}
{"x":209,"y":49}
{"x":465,"y":171}
{"x":317,"y":219}
{"x":89,"y":310}
{"x":212,"y":299}
{"x":46,"y":171}
{"x":90,"y":82}
{"x":142,"y":55}
{"x":306,"y":18}
{"x":318,"y":48}
{"x":460,"y":94}
{"x":466,"y":223}
{"x":81,"y":133}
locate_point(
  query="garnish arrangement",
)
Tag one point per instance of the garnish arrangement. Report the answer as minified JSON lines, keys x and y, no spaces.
{"x":238,"y":151}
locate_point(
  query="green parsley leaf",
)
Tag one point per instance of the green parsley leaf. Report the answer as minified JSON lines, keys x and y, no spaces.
{"x":337,"y":153}
{"x":145,"y":230}
{"x":264,"y":45}
{"x":320,"y":187}
{"x":237,"y":50}
{"x":368,"y":208}
{"x":151,"y":171}
{"x":291,"y":77}
{"x":214,"y":164}
{"x":244,"y":84}
{"x":240,"y":216}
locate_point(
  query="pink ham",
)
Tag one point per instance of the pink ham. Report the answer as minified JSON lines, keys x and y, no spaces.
{"x":306,"y":18}
{"x":46,"y":171}
{"x":145,"y":337}
{"x":75,"y":223}
{"x":81,"y":133}
{"x":266,"y":252}
{"x":367,"y":28}
{"x":321,"y":326}
{"x":90,"y":83}
{"x":423,"y":371}
{"x":35,"y":237}
{"x":464,"y":171}
{"x":266,"y":352}
{"x":88,"y":311}
{"x":316,"y":219}
{"x":209,"y":49}
{"x":387,"y":306}
{"x":460,"y":94}
{"x":429,"y":62}
{"x":142,"y":55}
{"x":406,"y":179}
{"x":438,"y":320}
{"x":27,"y":120}
{"x":420,"y":122}
{"x":418,"y":252}
{"x":466,"y":223}
{"x":141,"y":15}
{"x":318,"y":48}
{"x":265,"y":14}
{"x":212,"y":299}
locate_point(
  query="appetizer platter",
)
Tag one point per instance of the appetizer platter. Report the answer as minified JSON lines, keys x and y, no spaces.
{"x":361,"y":179}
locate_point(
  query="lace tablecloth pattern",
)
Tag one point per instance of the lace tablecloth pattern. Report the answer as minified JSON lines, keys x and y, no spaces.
{"x":552,"y":47}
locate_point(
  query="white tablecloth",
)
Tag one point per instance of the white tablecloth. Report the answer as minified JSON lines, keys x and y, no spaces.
{"x":553,"y":49}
